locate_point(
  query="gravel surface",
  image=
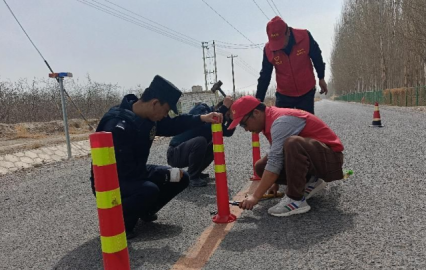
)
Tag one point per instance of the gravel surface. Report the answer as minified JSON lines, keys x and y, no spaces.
{"x":374,"y":220}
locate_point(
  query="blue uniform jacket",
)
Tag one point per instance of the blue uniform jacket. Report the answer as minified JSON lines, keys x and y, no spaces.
{"x":133,"y":137}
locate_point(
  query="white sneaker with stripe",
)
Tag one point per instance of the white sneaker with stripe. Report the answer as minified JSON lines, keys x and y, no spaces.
{"x":287,"y":207}
{"x":314,"y":185}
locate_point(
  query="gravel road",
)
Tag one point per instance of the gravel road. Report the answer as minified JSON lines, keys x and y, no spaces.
{"x":374,"y":220}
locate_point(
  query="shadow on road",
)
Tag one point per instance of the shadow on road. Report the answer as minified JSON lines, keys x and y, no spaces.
{"x":89,"y":255}
{"x":321,"y":223}
{"x":202,"y":196}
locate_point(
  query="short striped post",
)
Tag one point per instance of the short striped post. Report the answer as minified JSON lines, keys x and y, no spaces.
{"x":377,"y":122}
{"x":255,"y":143}
{"x":108,"y":200}
{"x":222,"y":198}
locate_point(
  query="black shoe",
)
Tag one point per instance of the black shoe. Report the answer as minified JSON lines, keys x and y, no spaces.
{"x":197,"y":182}
{"x":131,"y":234}
{"x":149,"y":217}
{"x":204,"y":175}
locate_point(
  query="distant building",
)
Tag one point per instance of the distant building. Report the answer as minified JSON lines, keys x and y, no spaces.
{"x":189,"y":99}
{"x":197,"y":88}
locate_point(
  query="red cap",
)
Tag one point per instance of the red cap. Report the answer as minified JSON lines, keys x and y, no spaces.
{"x":241,"y":107}
{"x":276,"y":29}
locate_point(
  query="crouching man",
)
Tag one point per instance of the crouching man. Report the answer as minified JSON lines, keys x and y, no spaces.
{"x":145,"y":189}
{"x":194,"y":148}
{"x":303,"y":150}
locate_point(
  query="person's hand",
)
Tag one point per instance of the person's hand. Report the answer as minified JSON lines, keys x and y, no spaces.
{"x":274,"y":189}
{"x":227,"y":101}
{"x":249,"y":202}
{"x":213,"y":117}
{"x":323,"y":86}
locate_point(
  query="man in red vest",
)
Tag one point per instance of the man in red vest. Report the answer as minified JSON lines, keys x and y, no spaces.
{"x":291,"y":52}
{"x":304,"y":150}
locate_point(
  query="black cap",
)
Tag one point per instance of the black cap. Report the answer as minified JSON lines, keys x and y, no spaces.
{"x":165,"y":91}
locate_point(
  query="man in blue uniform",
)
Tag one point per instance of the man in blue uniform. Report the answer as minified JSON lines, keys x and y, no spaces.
{"x":194,"y":148}
{"x":145,"y":189}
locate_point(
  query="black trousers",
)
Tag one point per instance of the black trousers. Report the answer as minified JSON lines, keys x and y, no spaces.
{"x":141,"y":198}
{"x":196,"y":154}
{"x":305,"y":102}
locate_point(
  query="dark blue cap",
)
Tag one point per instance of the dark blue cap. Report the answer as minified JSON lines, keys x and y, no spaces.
{"x":165,"y":91}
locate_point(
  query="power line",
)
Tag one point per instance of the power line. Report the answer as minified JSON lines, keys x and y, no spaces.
{"x":273,"y":10}
{"x":247,"y":65}
{"x":276,"y":8}
{"x":179,"y":35}
{"x":130,"y":19}
{"x":227,"y":22}
{"x":137,"y":22}
{"x":143,"y":24}
{"x":261,"y":10}
{"x":24,"y":31}
{"x":241,"y":44}
{"x":250,"y":71}
{"x":171,"y":34}
{"x":238,"y":48}
{"x":151,"y":21}
{"x":246,"y":70}
{"x":246,"y":86}
{"x":48,"y":66}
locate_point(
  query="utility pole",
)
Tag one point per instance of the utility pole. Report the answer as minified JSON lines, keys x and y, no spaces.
{"x":215,"y":64}
{"x":204,"y":60}
{"x":60,"y":77}
{"x":232,"y":63}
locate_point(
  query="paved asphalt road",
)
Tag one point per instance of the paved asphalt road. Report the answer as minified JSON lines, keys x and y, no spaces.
{"x":374,"y":220}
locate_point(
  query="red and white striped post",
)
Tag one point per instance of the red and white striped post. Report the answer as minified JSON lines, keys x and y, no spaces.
{"x":377,"y":122}
{"x":222,"y":198}
{"x":108,"y":199}
{"x":255,"y":143}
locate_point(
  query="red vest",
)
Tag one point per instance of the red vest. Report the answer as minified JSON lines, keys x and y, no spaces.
{"x":315,"y":128}
{"x":295,"y":74}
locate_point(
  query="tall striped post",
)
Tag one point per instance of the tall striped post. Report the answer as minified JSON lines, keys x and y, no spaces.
{"x":108,"y":200}
{"x":222,"y":198}
{"x":255,"y":143}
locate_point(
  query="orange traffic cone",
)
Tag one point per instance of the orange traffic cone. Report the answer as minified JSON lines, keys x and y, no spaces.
{"x":376,"y":117}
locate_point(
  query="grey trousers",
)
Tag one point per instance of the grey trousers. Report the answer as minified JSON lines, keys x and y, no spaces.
{"x":196,"y":154}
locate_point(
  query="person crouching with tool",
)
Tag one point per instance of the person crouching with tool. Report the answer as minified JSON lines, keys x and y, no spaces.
{"x":145,"y":189}
{"x":303,"y":149}
{"x":194,"y":148}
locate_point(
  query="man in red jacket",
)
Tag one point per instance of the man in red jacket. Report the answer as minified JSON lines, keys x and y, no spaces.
{"x":303,"y":148}
{"x":291,"y":52}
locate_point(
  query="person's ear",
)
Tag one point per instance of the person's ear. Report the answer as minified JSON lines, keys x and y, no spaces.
{"x":256,"y":113}
{"x":155,"y":102}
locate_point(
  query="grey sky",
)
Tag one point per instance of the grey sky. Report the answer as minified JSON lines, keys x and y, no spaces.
{"x":77,"y":38}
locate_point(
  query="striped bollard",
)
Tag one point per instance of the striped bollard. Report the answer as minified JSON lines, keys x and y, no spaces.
{"x":222,"y":198}
{"x":255,"y":143}
{"x":111,"y":224}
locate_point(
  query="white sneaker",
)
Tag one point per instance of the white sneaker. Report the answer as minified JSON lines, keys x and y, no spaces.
{"x":287,"y":207}
{"x":314,"y":185}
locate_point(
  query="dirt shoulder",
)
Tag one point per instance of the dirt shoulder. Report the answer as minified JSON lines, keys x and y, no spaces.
{"x":27,"y":136}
